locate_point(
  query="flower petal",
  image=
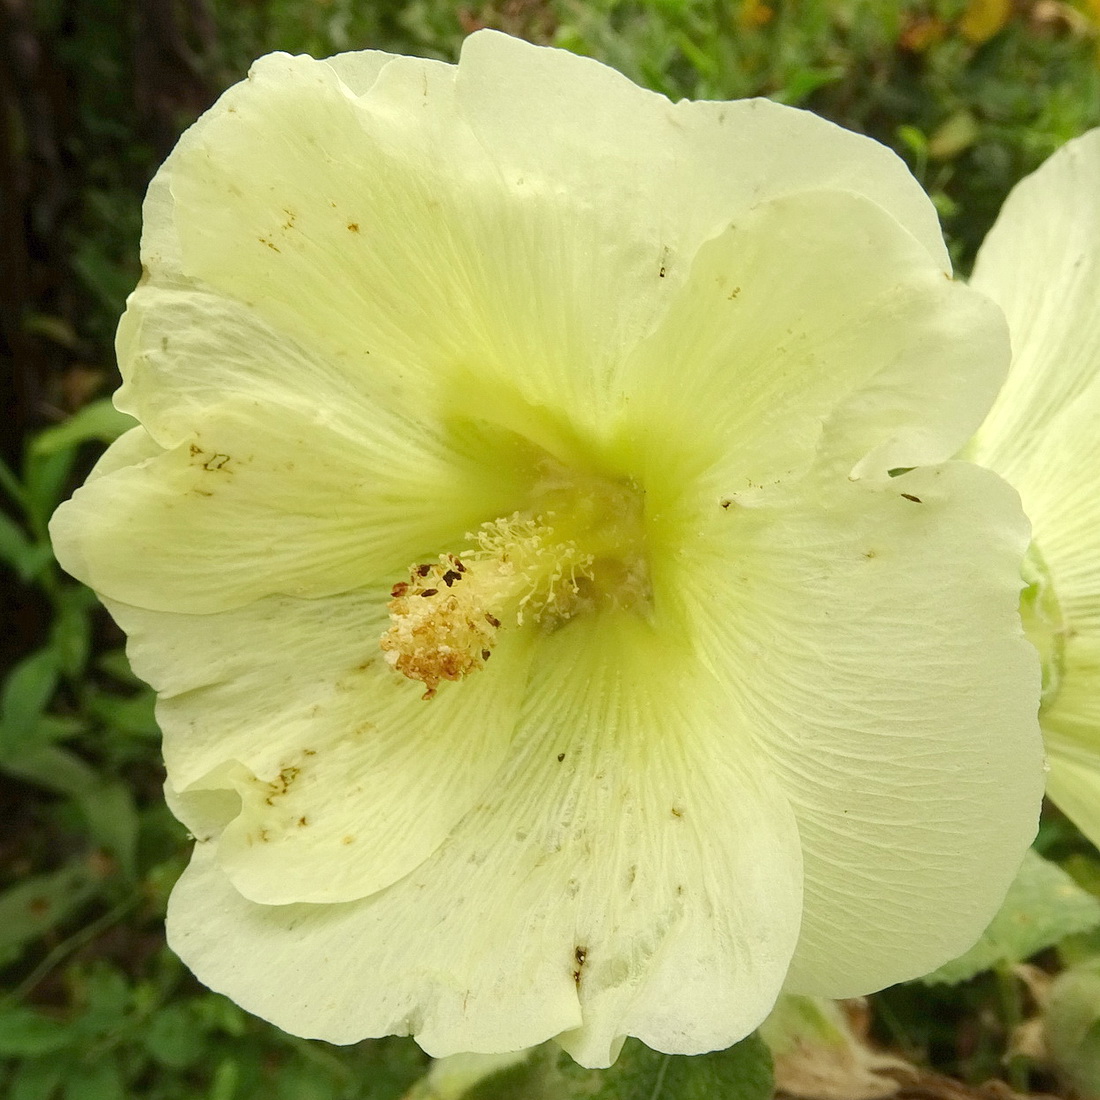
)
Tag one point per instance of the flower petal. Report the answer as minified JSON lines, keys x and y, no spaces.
{"x":288,"y":196}
{"x":477,"y":251}
{"x":814,"y":323}
{"x":1071,"y":729}
{"x":359,"y":69}
{"x":184,"y":352}
{"x":266,"y":500}
{"x":345,"y":779}
{"x":587,"y":128}
{"x":1073,"y":782}
{"x":1041,"y":263}
{"x":161,"y":253}
{"x":628,"y":873}
{"x":872,"y":643}
{"x":1057,"y":483}
{"x":132,"y":448}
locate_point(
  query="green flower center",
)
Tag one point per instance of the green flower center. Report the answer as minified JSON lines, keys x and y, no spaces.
{"x":578,"y":548}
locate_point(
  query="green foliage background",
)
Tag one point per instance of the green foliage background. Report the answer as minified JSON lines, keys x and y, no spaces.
{"x":972,"y":94}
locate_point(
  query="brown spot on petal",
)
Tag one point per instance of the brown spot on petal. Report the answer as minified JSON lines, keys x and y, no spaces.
{"x":580,"y":956}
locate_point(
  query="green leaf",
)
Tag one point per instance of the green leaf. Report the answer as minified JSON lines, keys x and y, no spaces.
{"x":217,"y":1013}
{"x":388,"y":1067}
{"x":1044,"y":905}
{"x":1072,"y":1027}
{"x":99,"y":1081}
{"x":45,"y":478}
{"x":53,"y":768}
{"x":803,"y":84}
{"x":304,"y":1081}
{"x":26,"y":1032}
{"x":39,"y":904}
{"x":26,"y":693}
{"x":451,"y":1078}
{"x":135,"y":715}
{"x":57,"y":727}
{"x":226,"y":1076}
{"x":112,"y":821}
{"x":954,"y":136}
{"x":70,"y":637}
{"x":105,"y":995}
{"x":913,"y":139}
{"x":172,"y":1039}
{"x":744,"y":1072}
{"x":1084,"y":869}
{"x":115,"y":663}
{"x":36,"y":1079}
{"x":99,"y":421}
{"x":18,"y":551}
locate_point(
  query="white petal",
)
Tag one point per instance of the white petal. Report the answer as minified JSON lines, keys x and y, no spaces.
{"x":1041,"y":264}
{"x":1071,"y":729}
{"x":288,"y":197}
{"x":130,"y":449}
{"x":1058,"y":484}
{"x":359,"y":69}
{"x":264,"y":499}
{"x":813,"y":329}
{"x":183,"y":352}
{"x":629,"y":872}
{"x":344,"y":778}
{"x":1073,"y":782}
{"x":873,"y":646}
{"x":683,"y":169}
{"x":462,"y":246}
{"x":160,"y":245}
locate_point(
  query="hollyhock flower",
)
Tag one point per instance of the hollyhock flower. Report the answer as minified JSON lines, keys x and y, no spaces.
{"x":1041,"y":263}
{"x":543,"y":647}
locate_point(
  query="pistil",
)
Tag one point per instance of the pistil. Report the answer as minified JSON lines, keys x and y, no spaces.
{"x":445,"y":618}
{"x":577,"y":550}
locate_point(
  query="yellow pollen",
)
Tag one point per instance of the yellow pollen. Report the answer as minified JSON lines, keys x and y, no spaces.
{"x":445,"y":618}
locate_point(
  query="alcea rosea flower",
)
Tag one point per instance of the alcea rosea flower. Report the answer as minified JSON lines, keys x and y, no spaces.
{"x":543,"y":646}
{"x":1041,"y":263}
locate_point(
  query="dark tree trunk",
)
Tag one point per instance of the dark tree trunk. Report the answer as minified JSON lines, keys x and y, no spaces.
{"x":35,"y":191}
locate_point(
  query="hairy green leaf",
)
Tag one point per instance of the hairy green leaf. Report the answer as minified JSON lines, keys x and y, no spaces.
{"x":1043,"y":906}
{"x":743,"y":1072}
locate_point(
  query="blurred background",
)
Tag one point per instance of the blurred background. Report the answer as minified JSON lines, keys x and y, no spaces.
{"x":974,"y":94}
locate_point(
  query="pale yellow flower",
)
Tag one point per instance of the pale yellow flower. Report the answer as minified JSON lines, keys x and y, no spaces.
{"x":711,"y":702}
{"x":1041,"y":263}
